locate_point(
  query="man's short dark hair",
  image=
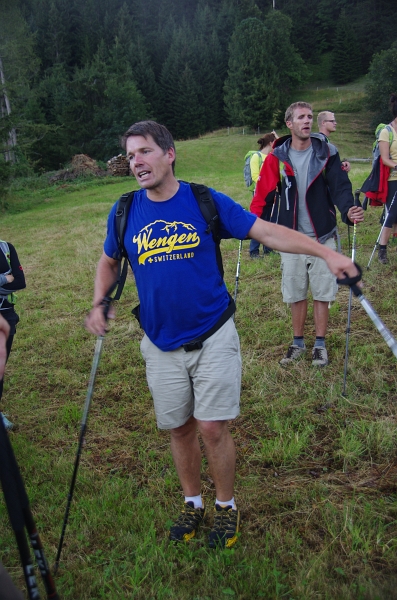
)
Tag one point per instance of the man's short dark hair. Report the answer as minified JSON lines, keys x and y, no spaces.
{"x":159,"y":133}
{"x":289,"y":113}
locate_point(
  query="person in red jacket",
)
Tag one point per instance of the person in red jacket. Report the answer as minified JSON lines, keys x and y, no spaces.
{"x":311,"y":183}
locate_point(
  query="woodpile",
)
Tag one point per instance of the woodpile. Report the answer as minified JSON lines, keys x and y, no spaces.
{"x":81,"y":165}
{"x":119,"y":166}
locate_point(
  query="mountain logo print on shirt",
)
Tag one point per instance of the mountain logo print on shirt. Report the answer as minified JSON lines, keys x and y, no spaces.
{"x":161,"y":240}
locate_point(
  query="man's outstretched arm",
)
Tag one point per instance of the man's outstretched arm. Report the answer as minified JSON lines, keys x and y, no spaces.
{"x":106,"y":276}
{"x":287,"y":240}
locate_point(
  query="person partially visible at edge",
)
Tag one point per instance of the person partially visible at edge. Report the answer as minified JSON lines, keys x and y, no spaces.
{"x":265,"y":146}
{"x":12,"y":279}
{"x":312,"y":182}
{"x":326,"y":125}
{"x":8,"y":591}
{"x":4,"y":333}
{"x":388,"y":154}
{"x":182,"y":297}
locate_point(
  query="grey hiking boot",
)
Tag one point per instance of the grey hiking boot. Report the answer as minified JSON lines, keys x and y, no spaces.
{"x":319,"y":356}
{"x":382,"y":256}
{"x":293,"y":353}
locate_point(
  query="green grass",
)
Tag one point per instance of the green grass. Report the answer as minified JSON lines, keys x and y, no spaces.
{"x":316,"y":471}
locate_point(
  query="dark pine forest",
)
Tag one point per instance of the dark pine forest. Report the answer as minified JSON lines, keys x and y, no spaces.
{"x":76,"y":73}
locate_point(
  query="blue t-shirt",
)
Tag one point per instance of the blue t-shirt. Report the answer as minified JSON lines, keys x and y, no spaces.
{"x":181,"y":291}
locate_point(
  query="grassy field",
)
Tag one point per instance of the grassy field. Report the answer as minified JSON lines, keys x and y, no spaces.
{"x":316,"y":471}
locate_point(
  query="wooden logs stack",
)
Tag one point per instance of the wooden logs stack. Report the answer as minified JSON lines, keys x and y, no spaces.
{"x":119,"y":166}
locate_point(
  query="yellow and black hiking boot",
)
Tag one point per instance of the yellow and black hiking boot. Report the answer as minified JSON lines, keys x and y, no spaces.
{"x":186,"y":525}
{"x":226,"y":526}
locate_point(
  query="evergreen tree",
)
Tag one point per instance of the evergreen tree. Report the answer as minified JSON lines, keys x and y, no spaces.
{"x":264,"y":70}
{"x":180,"y":55}
{"x":252,"y":77}
{"x":19,"y":67}
{"x":189,"y":113}
{"x":346,"y":54}
{"x":290,"y":67}
{"x":381,"y":83}
{"x":144,"y":76}
{"x":208,"y":68}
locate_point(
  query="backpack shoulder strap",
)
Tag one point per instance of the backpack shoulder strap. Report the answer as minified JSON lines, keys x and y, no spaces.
{"x":210,"y":213}
{"x":4,"y":247}
{"x":390,"y":130}
{"x":123,"y":208}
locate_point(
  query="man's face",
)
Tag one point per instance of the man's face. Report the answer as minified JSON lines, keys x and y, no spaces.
{"x":301,"y":124}
{"x":329,"y":122}
{"x":151,"y":166}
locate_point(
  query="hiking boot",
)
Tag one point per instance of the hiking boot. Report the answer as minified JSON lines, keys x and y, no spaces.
{"x":319,"y":356}
{"x":225,"y":529}
{"x":7,"y":424}
{"x":293,"y":353}
{"x":382,"y":256}
{"x":186,"y":525}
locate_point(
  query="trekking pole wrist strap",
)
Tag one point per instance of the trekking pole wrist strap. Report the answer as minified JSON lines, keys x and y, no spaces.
{"x":105,"y":304}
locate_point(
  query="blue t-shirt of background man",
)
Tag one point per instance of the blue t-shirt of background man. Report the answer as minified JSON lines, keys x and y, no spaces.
{"x":181,"y":291}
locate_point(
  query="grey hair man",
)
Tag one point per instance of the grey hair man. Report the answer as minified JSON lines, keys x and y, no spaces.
{"x":326,"y":125}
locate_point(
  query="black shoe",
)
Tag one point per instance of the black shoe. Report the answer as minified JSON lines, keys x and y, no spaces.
{"x":255,"y":255}
{"x":186,"y":525}
{"x":226,"y":526}
{"x":382,"y":256}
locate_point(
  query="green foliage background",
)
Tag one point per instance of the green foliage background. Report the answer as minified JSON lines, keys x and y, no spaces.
{"x":79,"y":72}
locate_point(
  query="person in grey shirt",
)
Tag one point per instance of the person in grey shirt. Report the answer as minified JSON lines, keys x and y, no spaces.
{"x":312,"y":182}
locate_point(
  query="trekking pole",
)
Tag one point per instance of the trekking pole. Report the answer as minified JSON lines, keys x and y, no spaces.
{"x":387,"y":214}
{"x":21,"y":518}
{"x":240,"y":247}
{"x":380,"y":326}
{"x":83,"y":428}
{"x":356,"y":199}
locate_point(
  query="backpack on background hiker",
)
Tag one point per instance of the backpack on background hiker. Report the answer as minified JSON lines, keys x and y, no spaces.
{"x":4,"y":247}
{"x":249,"y":182}
{"x":375,"y":186}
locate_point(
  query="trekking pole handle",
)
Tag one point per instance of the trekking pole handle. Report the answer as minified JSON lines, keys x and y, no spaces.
{"x":352,"y":281}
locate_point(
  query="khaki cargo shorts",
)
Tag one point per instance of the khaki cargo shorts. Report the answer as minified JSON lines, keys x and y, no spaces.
{"x":300,"y":270}
{"x":204,"y":383}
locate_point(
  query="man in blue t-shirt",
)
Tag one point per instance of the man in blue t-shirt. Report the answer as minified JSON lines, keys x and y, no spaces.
{"x":183,"y":298}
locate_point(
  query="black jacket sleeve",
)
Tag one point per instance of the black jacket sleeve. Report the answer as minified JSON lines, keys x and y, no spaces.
{"x":340,"y":187}
{"x":16,"y":270}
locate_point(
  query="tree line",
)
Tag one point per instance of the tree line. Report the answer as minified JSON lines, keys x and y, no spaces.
{"x":76,"y":73}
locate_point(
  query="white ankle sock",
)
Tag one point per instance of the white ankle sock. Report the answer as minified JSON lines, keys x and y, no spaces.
{"x":229,"y":503}
{"x":197,"y":500}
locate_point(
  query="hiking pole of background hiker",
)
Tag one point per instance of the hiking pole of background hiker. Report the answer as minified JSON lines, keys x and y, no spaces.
{"x":380,"y":326}
{"x":240,"y":247}
{"x":83,"y":428}
{"x":387,"y":214}
{"x":356,"y":199}
{"x":20,"y":515}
